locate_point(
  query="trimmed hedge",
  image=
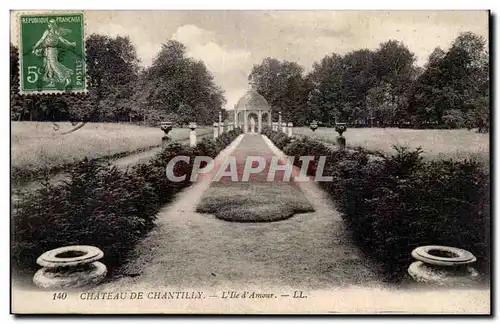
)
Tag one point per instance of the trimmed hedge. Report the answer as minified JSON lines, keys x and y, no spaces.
{"x":393,"y":204}
{"x":280,"y":139}
{"x":100,"y":205}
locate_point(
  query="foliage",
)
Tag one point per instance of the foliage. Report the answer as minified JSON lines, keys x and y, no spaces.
{"x":175,"y":88}
{"x":279,"y":138}
{"x":284,"y":87}
{"x":395,"y":203}
{"x":99,"y":205}
{"x":363,"y":86}
{"x":381,"y":87}
{"x":384,"y":87}
{"x":226,"y":138}
{"x":180,"y":85}
{"x":454,"y":87}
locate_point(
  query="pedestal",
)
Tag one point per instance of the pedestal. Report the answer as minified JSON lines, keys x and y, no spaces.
{"x":216,"y":130}
{"x":164,"y":141}
{"x":192,"y":138}
{"x":341,"y":142}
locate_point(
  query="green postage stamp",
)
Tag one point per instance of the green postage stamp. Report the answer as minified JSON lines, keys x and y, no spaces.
{"x":52,"y":53}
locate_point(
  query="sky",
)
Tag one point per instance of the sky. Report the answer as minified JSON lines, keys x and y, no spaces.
{"x":231,"y":42}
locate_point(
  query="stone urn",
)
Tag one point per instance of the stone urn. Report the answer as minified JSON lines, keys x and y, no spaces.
{"x":340,"y":128}
{"x":166,"y":127}
{"x":70,"y":267}
{"x":192,"y":126}
{"x":313,"y":125}
{"x":443,"y":266}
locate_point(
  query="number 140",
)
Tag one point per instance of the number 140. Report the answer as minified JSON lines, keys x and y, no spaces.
{"x":59,"y":295}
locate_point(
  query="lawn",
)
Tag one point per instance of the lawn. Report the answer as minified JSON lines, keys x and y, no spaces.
{"x":436,"y":143}
{"x":255,"y":200}
{"x":35,"y":145}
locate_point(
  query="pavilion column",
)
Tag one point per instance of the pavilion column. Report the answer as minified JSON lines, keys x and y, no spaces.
{"x":235,"y":118}
{"x":245,"y":123}
{"x":221,"y":125}
{"x":260,"y":122}
{"x":270,"y":118}
{"x":279,"y":122}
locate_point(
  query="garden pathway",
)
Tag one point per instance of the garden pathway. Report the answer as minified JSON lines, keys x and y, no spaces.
{"x":189,"y":249}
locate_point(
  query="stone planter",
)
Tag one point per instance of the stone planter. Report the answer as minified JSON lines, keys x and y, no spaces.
{"x":166,"y":127}
{"x":340,"y":128}
{"x":443,"y":266}
{"x":70,"y":267}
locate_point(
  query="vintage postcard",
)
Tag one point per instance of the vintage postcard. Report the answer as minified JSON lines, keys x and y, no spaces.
{"x":250,"y":162}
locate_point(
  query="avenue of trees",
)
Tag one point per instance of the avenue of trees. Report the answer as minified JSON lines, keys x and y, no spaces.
{"x":384,"y":87}
{"x":381,"y":87}
{"x":175,"y":87}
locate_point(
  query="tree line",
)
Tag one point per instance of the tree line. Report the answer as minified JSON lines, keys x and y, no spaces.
{"x":381,"y":87}
{"x":175,"y":87}
{"x":384,"y":87}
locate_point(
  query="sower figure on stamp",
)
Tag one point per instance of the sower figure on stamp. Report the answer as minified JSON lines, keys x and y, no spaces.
{"x":47,"y":45}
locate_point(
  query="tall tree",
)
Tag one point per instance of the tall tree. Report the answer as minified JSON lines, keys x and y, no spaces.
{"x":326,"y":95}
{"x":455,"y":85}
{"x":395,"y":71}
{"x":283,"y":86}
{"x":112,"y":71}
{"x":359,"y":76}
{"x":180,"y":86}
{"x":340,"y":86}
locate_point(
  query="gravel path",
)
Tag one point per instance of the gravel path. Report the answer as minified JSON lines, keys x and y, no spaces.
{"x":189,"y":249}
{"x":254,"y":199}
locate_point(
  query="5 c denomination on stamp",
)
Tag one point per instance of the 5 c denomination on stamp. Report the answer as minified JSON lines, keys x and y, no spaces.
{"x":52,"y":53}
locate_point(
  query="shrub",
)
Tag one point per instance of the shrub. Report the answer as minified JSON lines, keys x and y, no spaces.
{"x":207,"y":147}
{"x":225,"y":139}
{"x":100,"y":205}
{"x":304,"y":146}
{"x":280,"y":139}
{"x":394,"y":203}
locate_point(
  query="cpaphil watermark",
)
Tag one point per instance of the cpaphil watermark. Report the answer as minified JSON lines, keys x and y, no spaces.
{"x":270,"y":169}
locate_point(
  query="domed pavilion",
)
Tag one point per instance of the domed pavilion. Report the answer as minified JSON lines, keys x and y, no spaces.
{"x":251,"y":111}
